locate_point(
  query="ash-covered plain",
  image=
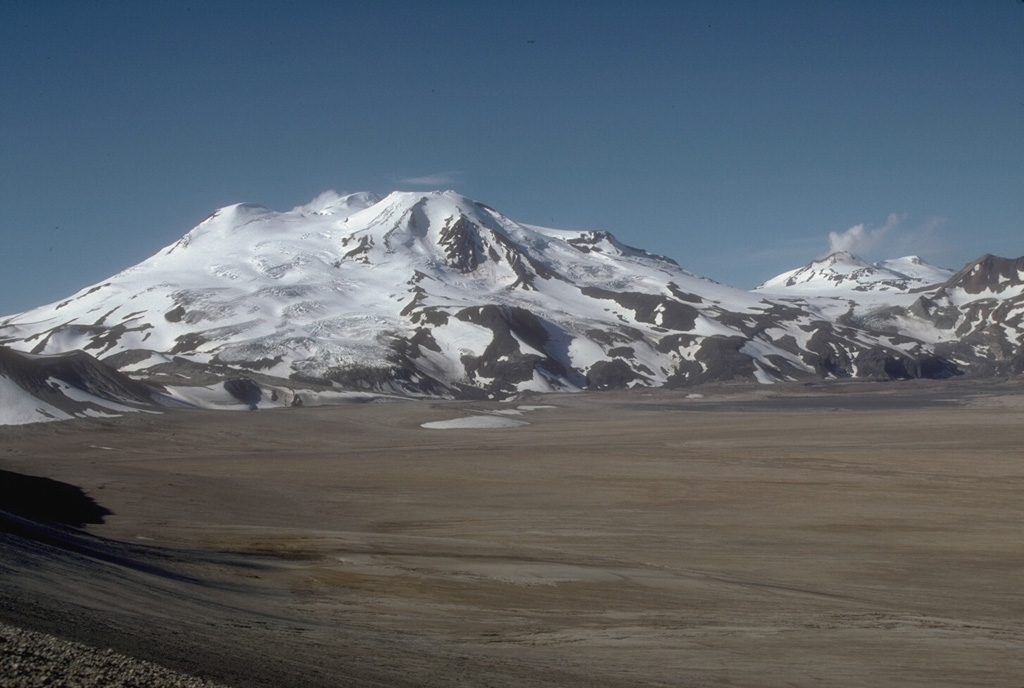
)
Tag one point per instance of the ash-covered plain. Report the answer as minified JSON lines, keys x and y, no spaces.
{"x":740,"y":535}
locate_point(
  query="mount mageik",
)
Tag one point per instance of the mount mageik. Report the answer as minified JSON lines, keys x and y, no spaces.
{"x":436,"y":294}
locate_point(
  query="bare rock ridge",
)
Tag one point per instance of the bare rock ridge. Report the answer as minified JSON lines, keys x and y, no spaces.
{"x":62,"y":386}
{"x":434,"y":294}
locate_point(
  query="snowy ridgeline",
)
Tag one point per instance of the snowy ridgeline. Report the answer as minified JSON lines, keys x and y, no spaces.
{"x":434,"y":294}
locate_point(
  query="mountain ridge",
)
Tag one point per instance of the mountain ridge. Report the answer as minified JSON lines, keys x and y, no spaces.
{"x":435,"y":294}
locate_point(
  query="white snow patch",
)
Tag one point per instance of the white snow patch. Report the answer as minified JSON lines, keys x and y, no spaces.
{"x":474,"y":423}
{"x":18,"y":407}
{"x":93,"y":413}
{"x":78,"y":395}
{"x":213,"y":397}
{"x":762,"y":375}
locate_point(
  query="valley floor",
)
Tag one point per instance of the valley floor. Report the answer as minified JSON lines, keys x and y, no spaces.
{"x":843,"y":535}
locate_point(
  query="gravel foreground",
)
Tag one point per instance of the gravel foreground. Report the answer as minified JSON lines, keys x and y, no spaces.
{"x":29,"y":659}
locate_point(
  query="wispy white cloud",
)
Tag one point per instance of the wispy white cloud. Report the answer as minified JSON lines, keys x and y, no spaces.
{"x":861,"y":239}
{"x":925,"y":235}
{"x":438,"y":179}
{"x":894,"y":237}
{"x":323,"y":200}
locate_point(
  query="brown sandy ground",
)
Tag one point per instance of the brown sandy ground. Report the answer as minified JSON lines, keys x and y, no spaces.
{"x":842,"y":535}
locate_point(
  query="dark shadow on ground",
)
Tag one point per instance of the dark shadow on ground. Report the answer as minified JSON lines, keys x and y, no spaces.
{"x":42,"y":499}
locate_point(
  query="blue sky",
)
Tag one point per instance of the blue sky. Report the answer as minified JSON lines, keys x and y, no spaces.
{"x":734,"y":137}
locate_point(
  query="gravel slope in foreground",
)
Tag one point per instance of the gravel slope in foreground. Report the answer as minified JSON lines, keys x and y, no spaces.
{"x":29,"y":659}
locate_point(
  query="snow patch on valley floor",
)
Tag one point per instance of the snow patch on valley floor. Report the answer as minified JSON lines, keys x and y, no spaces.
{"x":493,"y":419}
{"x":475,"y":423}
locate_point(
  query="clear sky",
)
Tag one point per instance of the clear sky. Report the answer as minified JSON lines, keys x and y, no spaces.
{"x":734,"y":137}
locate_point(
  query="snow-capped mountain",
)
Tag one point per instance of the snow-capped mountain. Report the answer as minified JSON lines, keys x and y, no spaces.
{"x":916,"y":269}
{"x":428,"y":293}
{"x":436,"y":294}
{"x":972,"y":319}
{"x":843,"y":274}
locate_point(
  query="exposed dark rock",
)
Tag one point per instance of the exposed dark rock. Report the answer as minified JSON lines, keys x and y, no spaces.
{"x":187,"y":343}
{"x":675,"y":342}
{"x":825,"y":353}
{"x":650,"y":308}
{"x":503,"y":364}
{"x":621,"y":334}
{"x":245,"y":390}
{"x":943,"y":317}
{"x":254,"y":364}
{"x":175,"y":314}
{"x":614,"y":374}
{"x":462,"y":245}
{"x":938,"y":368}
{"x":424,"y":338}
{"x":127,"y":358}
{"x":360,"y":251}
{"x":744,"y":322}
{"x":622,"y":351}
{"x":988,"y":273}
{"x":723,"y":361}
{"x":683,"y":295}
{"x":415,"y":302}
{"x":78,"y":369}
{"x":403,"y":377}
{"x":107,"y":338}
{"x":877,"y":364}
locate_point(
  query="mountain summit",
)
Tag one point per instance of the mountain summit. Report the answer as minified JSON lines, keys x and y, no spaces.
{"x":437,"y":294}
{"x":842,"y":272}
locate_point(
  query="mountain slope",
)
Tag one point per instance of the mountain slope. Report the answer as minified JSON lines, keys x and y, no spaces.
{"x":972,"y":319}
{"x":916,"y":269}
{"x":436,"y":294}
{"x":978,"y":315}
{"x":63,"y":386}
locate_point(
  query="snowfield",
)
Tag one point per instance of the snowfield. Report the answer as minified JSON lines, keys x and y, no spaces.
{"x":435,"y":294}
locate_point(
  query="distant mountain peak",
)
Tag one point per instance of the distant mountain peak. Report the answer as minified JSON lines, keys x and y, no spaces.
{"x":842,"y":272}
{"x":837,"y":257}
